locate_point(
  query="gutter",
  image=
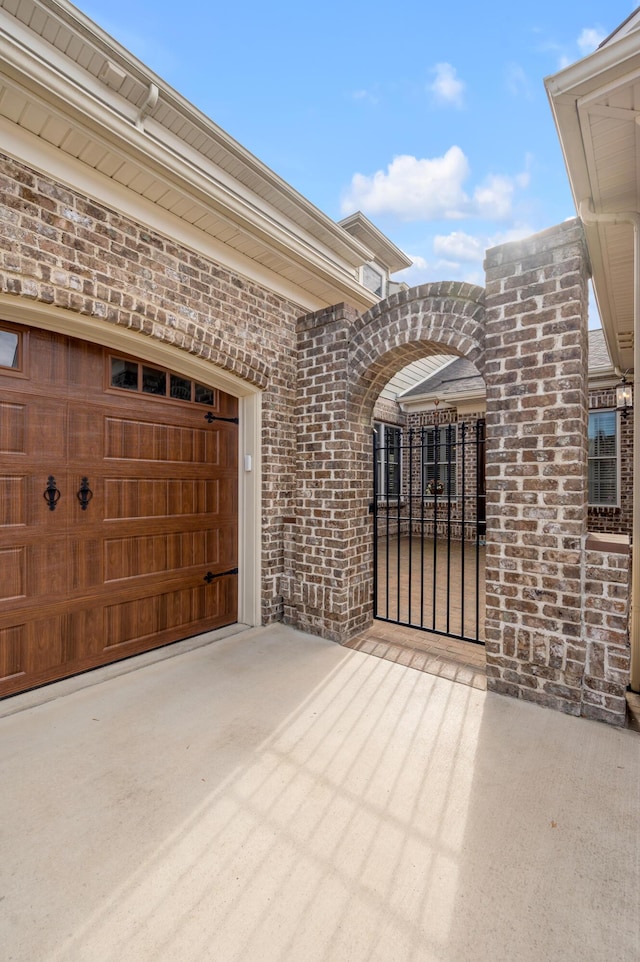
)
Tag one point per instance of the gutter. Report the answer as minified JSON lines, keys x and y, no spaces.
{"x":613,"y":56}
{"x":588,"y":216}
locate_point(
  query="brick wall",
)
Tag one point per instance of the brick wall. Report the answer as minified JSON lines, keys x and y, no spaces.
{"x":321,"y":375}
{"x":606,"y":619}
{"x":388,"y":411}
{"x":539,"y":645}
{"x":327,"y":589}
{"x":61,"y":248}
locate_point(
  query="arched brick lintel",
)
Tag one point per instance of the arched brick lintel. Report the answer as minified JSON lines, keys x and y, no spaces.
{"x":89,"y":316}
{"x":438,"y":318}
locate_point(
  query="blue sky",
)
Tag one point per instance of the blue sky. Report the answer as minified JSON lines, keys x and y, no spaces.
{"x":430,"y":118}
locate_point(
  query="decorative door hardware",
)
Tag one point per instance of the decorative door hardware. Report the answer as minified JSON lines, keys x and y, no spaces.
{"x":213,"y":417}
{"x":84,"y":494}
{"x":51,"y":493}
{"x":209,"y":577}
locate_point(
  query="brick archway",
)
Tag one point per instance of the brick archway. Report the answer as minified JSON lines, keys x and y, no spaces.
{"x":556,"y":630}
{"x":344,"y":360}
{"x":439,"y":318}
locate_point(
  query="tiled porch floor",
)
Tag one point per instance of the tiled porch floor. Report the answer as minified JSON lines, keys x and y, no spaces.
{"x":442,"y":585}
{"x":459,"y":661}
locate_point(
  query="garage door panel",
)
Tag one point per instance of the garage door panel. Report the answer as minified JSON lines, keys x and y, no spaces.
{"x":34,"y":427}
{"x":13,"y":565}
{"x":13,"y":427}
{"x":137,"y":440}
{"x":86,"y":635}
{"x":85,"y":563}
{"x":139,"y":555}
{"x":141,"y":560}
{"x":48,"y":360}
{"x":33,"y":573}
{"x":47,"y":570}
{"x":171,"y":614}
{"x":46,"y":648}
{"x":130,"y":621}
{"x":189,"y":608}
{"x":131,"y":498}
{"x":12,"y":653}
{"x":85,"y":370}
{"x":13,"y":501}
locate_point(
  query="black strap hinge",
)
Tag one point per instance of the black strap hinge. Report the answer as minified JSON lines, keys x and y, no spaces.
{"x":213,"y":417}
{"x":209,"y":577}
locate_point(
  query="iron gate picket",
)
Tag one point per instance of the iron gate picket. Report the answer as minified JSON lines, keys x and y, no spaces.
{"x":429,"y":527}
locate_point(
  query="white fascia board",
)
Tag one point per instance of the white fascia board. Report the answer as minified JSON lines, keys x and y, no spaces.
{"x":422,"y":401}
{"x":38,"y":62}
{"x":599,"y":378}
{"x":603,"y":66}
{"x":63,"y":98}
{"x":29,"y":149}
{"x":382,"y":248}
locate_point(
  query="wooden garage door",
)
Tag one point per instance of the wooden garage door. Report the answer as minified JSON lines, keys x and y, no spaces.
{"x":118,"y":507}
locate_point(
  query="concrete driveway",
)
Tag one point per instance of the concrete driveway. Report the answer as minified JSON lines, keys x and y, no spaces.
{"x":273,"y":796}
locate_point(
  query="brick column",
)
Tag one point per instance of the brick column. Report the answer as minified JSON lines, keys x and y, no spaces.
{"x":606,"y":628}
{"x":536,"y":377}
{"x":327,"y":584}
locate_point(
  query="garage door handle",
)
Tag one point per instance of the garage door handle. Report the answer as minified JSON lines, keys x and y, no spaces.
{"x":209,"y":577}
{"x":84,"y":494}
{"x":51,"y":493}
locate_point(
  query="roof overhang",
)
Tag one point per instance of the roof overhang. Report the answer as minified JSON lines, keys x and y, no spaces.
{"x":73,"y":100}
{"x":596,"y":107}
{"x":386,"y":253}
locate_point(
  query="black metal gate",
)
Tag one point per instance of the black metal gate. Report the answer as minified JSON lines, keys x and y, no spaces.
{"x":429,"y":527}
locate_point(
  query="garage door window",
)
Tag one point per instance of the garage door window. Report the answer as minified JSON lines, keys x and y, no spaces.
{"x":129,"y":375}
{"x":9,"y":349}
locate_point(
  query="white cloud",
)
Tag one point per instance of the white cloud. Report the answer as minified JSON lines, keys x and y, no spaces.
{"x":424,"y":271}
{"x":518,"y":84}
{"x":459,"y":246}
{"x":506,"y":236}
{"x":494,"y":198}
{"x":589,"y":39}
{"x":365,"y":95}
{"x":458,"y":256}
{"x":447,"y":88}
{"x":432,"y":188}
{"x":413,"y":189}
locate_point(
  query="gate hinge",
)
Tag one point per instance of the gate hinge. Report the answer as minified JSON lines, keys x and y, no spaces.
{"x":372,"y":507}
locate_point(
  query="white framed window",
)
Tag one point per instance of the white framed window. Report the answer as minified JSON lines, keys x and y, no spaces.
{"x":388,"y":441}
{"x":374,"y":279}
{"x":604,"y":458}
{"x":439,"y":461}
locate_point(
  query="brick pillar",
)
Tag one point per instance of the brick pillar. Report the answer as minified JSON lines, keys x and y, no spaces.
{"x":606,"y":628}
{"x":327,"y":584}
{"x":536,"y":377}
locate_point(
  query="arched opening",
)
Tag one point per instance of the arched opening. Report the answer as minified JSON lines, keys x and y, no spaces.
{"x":430,"y":490}
{"x":429,"y":515}
{"x":330,"y":584}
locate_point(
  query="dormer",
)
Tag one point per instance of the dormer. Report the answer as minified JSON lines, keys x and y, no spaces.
{"x":375,"y":275}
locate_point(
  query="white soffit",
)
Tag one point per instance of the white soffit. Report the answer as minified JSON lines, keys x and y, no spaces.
{"x":70,"y":85}
{"x":413,"y":374}
{"x":596,"y":105}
